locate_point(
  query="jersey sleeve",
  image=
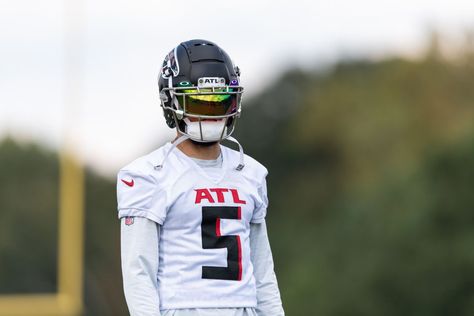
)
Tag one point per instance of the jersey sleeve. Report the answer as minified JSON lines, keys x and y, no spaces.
{"x":139,"y":254}
{"x":261,"y":208}
{"x":268,"y":293}
{"x":139,"y":195}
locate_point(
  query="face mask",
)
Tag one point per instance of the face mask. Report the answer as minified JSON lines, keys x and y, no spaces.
{"x":211,"y":130}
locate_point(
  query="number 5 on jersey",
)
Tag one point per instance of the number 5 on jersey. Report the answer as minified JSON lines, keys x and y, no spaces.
{"x":212,"y":239}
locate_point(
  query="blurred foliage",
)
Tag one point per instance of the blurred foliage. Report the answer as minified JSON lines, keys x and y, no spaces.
{"x":371,"y":206}
{"x":370,"y":185}
{"x":28,"y":218}
{"x":28,"y":229}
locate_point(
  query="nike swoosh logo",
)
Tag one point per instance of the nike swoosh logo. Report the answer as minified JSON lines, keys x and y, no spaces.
{"x":129,"y":183}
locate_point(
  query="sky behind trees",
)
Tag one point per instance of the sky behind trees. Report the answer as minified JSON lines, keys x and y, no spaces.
{"x":119,"y":46}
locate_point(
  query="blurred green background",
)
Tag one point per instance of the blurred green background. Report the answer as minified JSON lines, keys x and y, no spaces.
{"x":371,"y":193}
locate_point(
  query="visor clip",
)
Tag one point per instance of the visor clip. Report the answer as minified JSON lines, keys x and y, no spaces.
{"x":179,"y":114}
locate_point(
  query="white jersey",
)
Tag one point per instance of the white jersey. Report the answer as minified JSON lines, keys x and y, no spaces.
{"x":204,"y":259}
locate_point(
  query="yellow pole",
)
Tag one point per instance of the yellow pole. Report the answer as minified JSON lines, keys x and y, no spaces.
{"x":71,"y":235}
{"x":71,"y":216}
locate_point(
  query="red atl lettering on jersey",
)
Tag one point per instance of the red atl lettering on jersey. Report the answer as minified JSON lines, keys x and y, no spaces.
{"x":235,"y":196}
{"x":218,"y":193}
{"x":203,"y":194}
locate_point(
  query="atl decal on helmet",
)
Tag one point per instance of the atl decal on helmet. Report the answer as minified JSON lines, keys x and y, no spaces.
{"x":209,"y":82}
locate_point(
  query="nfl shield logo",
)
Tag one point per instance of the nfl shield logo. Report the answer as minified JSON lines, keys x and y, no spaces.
{"x":128,"y":220}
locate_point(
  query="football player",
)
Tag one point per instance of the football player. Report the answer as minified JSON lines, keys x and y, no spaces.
{"x":193,"y":234}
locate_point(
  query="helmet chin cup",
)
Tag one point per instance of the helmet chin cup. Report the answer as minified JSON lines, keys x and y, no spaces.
{"x":206,"y":131}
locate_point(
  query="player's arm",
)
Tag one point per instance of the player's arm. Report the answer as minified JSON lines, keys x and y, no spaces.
{"x":268,"y":294}
{"x":139,"y":249}
{"x":139,"y":197}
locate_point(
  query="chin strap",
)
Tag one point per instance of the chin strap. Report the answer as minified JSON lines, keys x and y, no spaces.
{"x":182,"y":138}
{"x":175,"y":143}
{"x":241,"y":150}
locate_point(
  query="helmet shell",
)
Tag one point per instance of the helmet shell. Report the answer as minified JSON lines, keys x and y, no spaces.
{"x":185,"y":64}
